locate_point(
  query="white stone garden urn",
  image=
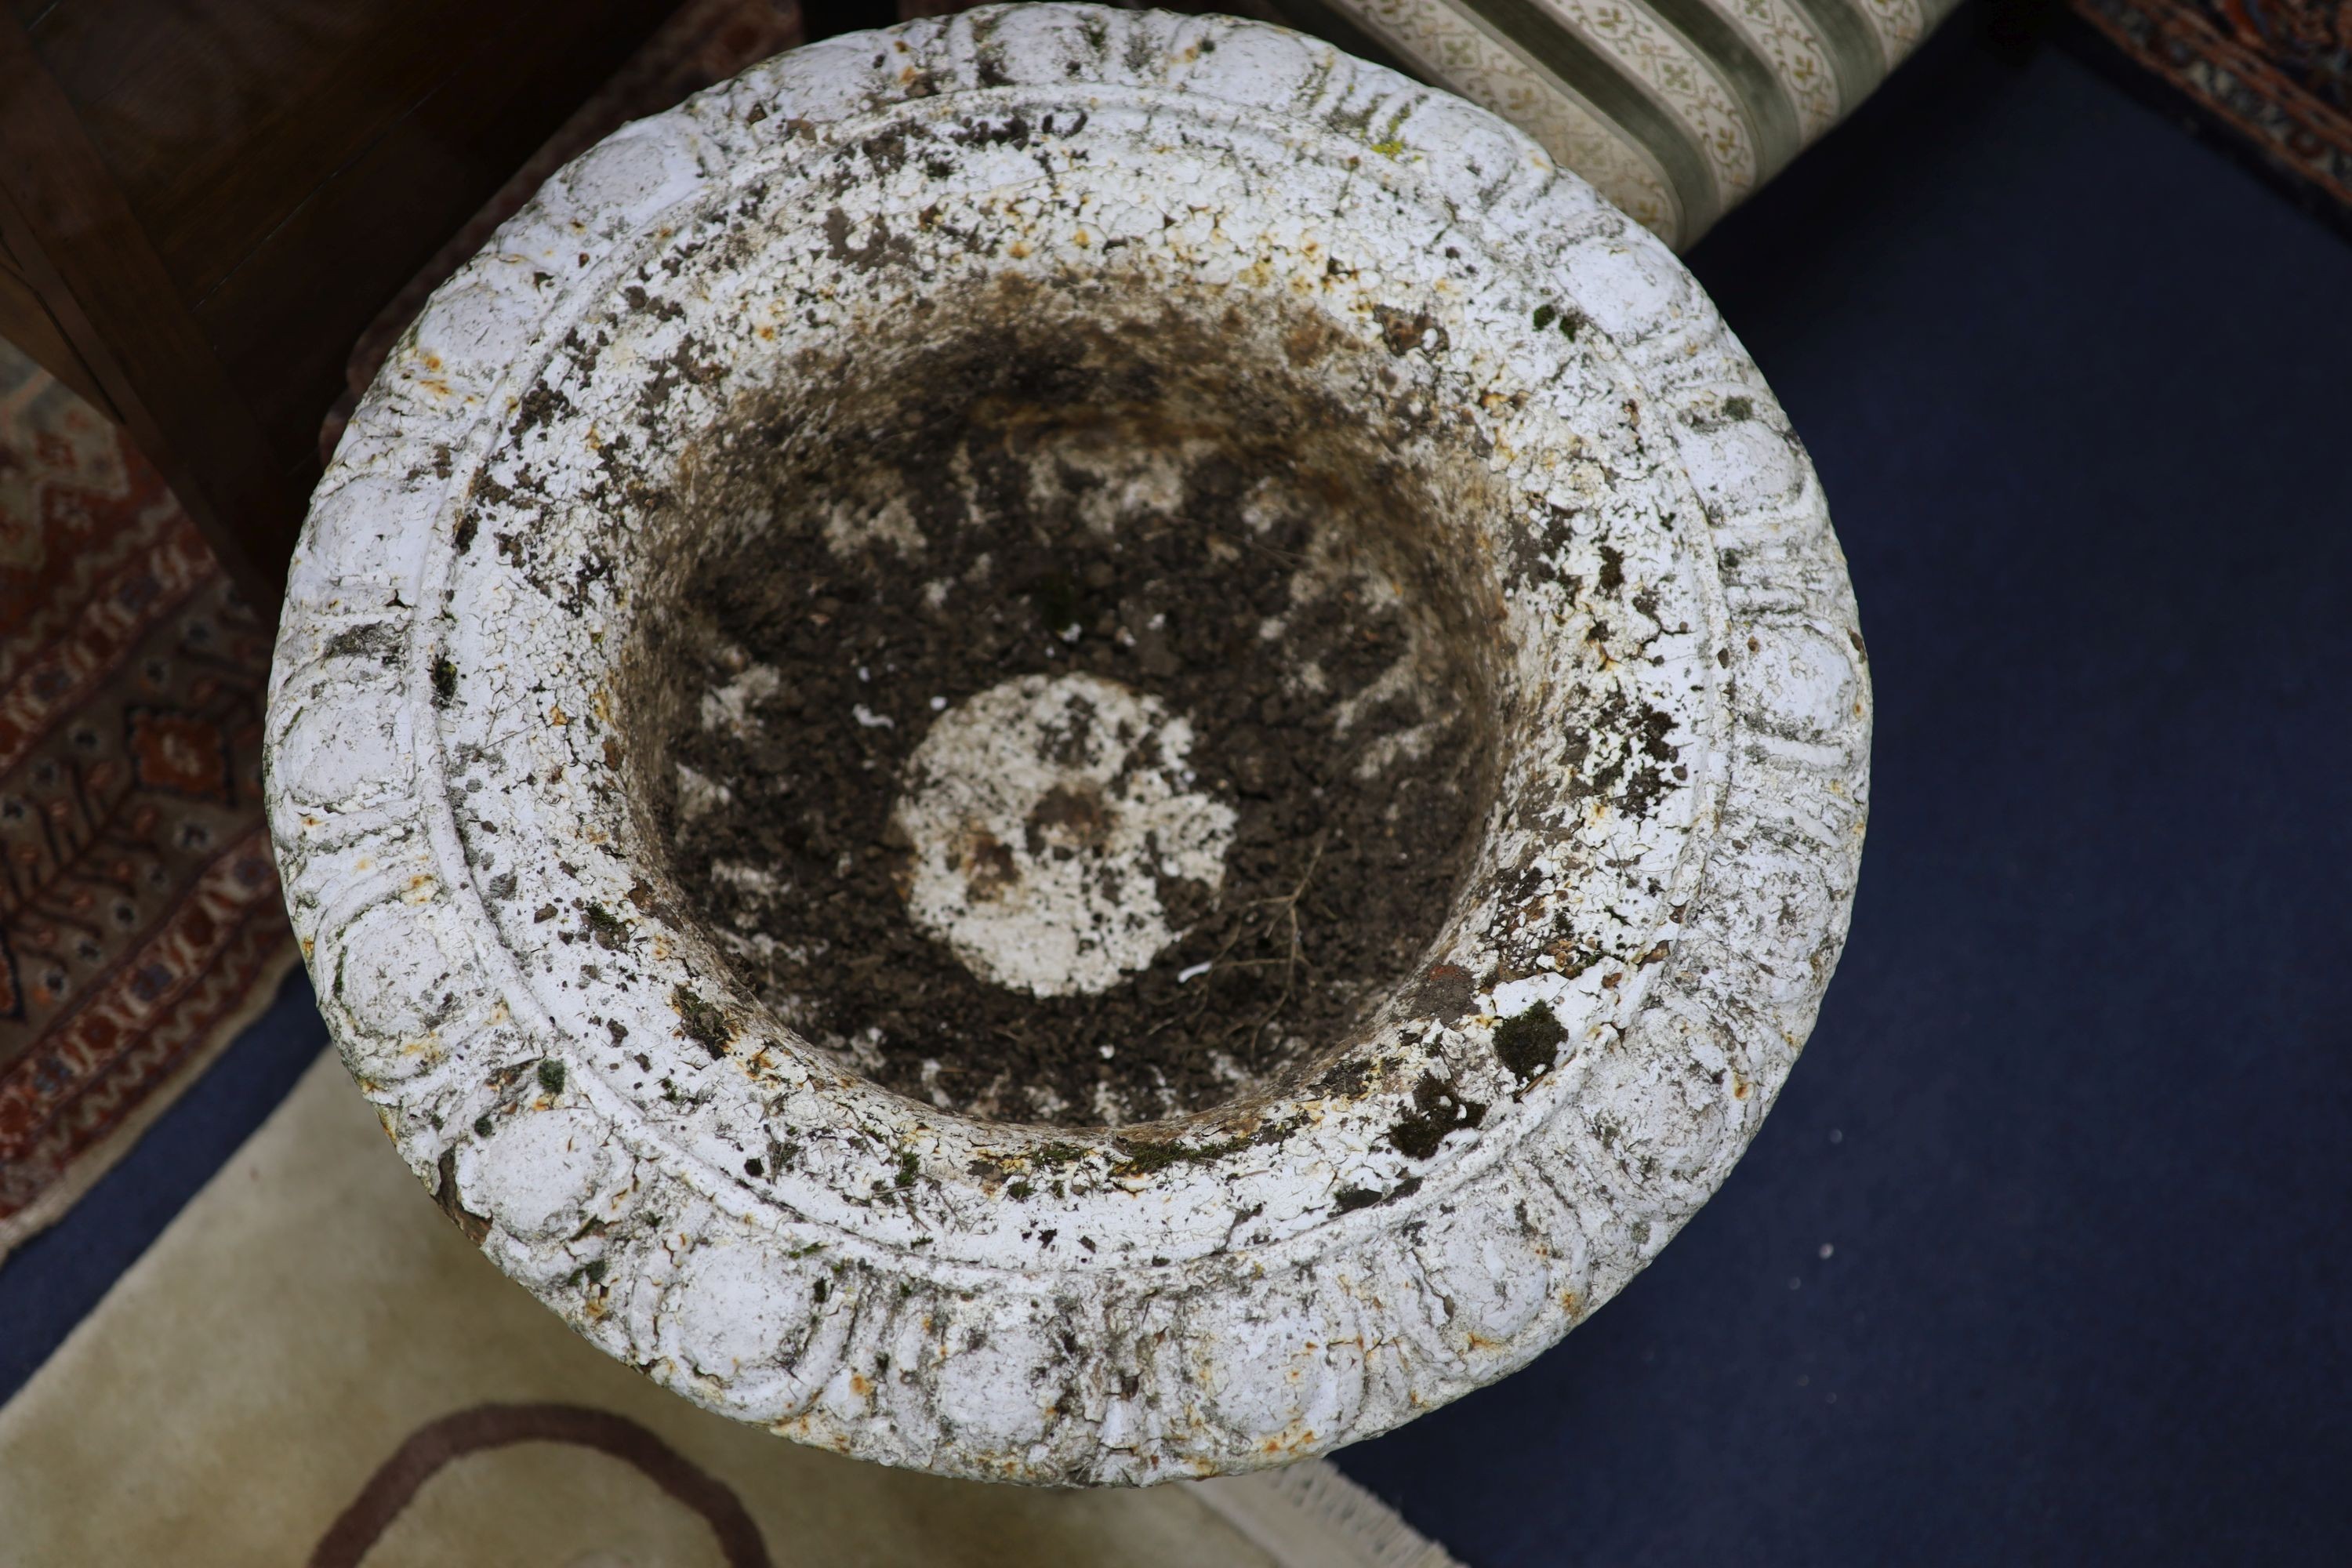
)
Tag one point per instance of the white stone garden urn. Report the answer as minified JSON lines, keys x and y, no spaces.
{"x":1071,"y":746}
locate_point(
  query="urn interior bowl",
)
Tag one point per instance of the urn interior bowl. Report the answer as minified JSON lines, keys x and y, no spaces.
{"x":1070,"y":745}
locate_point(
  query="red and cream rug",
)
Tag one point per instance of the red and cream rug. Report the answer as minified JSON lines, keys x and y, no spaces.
{"x":141,"y":925}
{"x":2274,"y":75}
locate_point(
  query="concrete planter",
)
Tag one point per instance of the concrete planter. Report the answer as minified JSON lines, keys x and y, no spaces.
{"x":1643,"y":642}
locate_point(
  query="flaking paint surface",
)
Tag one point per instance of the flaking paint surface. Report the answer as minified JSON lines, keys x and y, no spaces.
{"x":1681,"y":729}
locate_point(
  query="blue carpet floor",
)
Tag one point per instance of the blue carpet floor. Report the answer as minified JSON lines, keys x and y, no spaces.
{"x":2046,"y":1254}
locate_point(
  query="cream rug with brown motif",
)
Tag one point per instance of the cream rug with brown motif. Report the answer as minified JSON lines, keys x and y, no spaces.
{"x":312,"y":1367}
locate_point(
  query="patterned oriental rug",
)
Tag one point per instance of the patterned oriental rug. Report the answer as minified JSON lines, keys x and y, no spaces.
{"x":140,"y":924}
{"x":2276,"y":74}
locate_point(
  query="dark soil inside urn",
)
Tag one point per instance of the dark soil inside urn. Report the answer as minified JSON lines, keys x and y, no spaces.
{"x":1294,"y":610}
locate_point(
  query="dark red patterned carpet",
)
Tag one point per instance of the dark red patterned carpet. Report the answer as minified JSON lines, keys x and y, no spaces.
{"x":2276,"y":75}
{"x":141,"y":925}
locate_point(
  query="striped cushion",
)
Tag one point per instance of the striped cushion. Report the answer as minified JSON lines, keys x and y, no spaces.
{"x":1677,"y":110}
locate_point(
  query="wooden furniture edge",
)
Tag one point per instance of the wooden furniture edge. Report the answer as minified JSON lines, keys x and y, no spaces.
{"x":62,"y":213}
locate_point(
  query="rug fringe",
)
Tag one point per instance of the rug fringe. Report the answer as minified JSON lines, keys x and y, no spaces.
{"x":1310,"y":1515}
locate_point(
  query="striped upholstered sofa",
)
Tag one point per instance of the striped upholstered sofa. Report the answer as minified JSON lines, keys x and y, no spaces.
{"x":1677,"y":110}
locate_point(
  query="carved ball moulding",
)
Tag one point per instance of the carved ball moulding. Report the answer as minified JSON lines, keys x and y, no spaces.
{"x":1070,"y":745}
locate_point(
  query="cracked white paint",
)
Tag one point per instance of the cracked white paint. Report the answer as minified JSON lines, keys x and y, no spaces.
{"x":728,"y":707}
{"x":1043,"y":814}
{"x":1681,"y":728}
